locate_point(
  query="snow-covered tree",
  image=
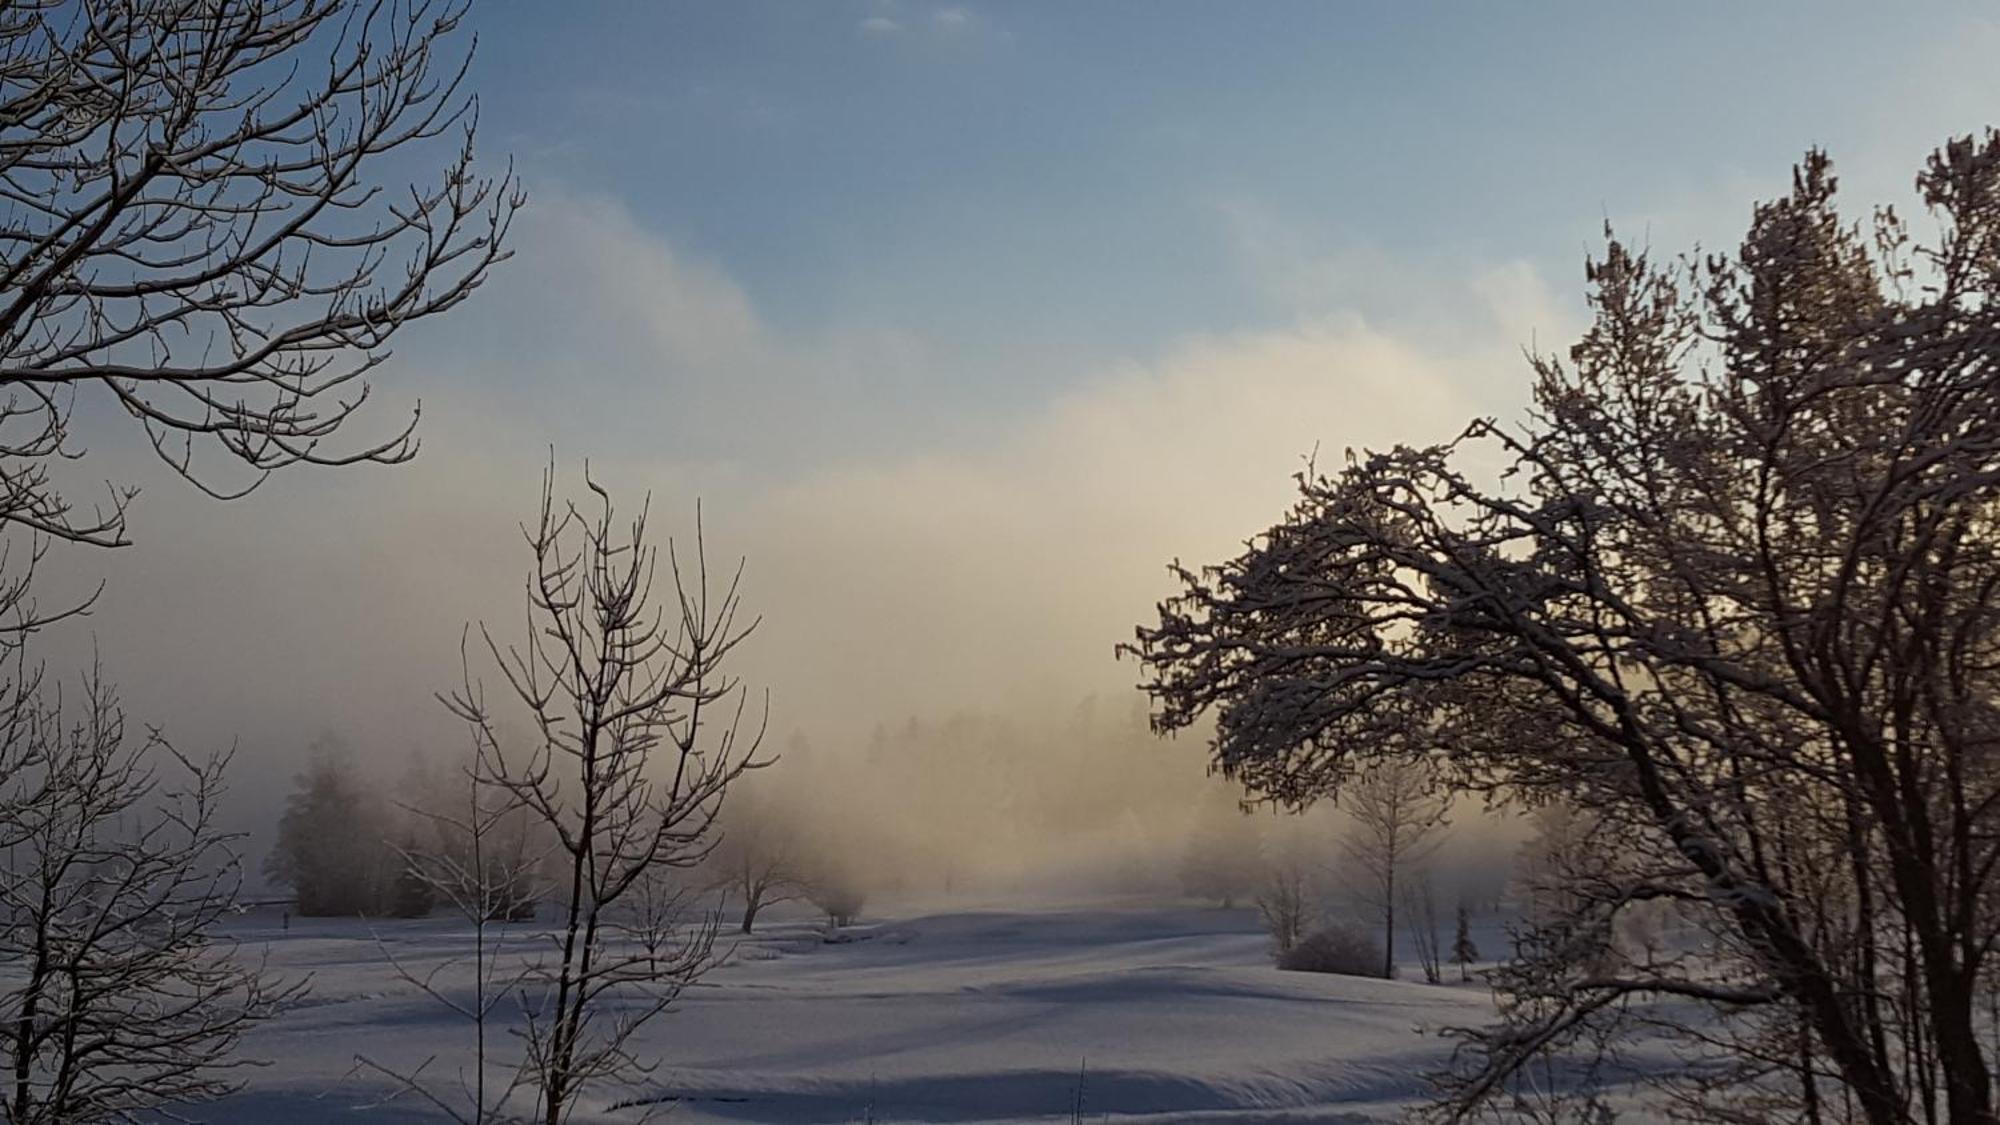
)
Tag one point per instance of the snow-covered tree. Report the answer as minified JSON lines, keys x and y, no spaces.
{"x":1738,"y":594}
{"x":1566,"y":847}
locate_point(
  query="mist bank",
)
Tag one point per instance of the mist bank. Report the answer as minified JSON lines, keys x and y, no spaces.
{"x":1072,"y":803}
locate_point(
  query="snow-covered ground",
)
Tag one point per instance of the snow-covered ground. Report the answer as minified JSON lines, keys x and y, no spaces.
{"x":969,"y":1015}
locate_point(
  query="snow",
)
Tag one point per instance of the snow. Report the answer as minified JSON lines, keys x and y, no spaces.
{"x":1162,"y":1013}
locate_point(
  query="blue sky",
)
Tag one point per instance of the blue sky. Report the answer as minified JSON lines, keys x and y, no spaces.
{"x":1079,"y":175}
{"x":965,"y":318}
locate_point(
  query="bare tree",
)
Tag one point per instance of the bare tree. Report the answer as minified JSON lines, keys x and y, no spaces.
{"x":1567,"y":848}
{"x":638,"y":733}
{"x":481,"y":868}
{"x":195,"y":234}
{"x":1739,"y":596}
{"x":195,"y":237}
{"x":1285,"y":899}
{"x":1284,"y":902}
{"x":757,"y":859}
{"x":1397,"y":820}
{"x":118,"y":999}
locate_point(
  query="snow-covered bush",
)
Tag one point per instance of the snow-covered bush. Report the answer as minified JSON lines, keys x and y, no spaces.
{"x":1335,"y":948}
{"x":840,"y":896}
{"x":832,"y":878}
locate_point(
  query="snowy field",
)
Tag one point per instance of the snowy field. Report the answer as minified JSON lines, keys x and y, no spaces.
{"x":971,"y":1015}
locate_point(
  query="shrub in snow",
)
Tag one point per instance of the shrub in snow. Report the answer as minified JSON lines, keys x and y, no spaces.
{"x":841,"y":898}
{"x":832,"y":884}
{"x":1338,"y":948}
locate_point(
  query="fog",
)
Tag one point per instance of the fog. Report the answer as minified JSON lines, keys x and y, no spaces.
{"x":912,"y":573}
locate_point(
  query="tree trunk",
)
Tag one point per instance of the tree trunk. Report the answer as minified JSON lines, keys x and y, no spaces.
{"x":1968,"y":1090}
{"x":1389,"y":924}
{"x":24,"y":1039}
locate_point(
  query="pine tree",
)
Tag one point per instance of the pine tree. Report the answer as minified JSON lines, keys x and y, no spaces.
{"x":330,"y":847}
{"x":1462,"y":949}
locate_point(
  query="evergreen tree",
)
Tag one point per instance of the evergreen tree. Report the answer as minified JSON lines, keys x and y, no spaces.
{"x":1463,"y":950}
{"x":331,"y":849}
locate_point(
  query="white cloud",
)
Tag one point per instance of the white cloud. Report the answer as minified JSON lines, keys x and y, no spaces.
{"x":933,"y":24}
{"x":1010,"y":570}
{"x":596,"y":310}
{"x":690,"y":313}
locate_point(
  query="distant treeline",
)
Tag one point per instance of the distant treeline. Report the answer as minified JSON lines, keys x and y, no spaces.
{"x":346,"y":848}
